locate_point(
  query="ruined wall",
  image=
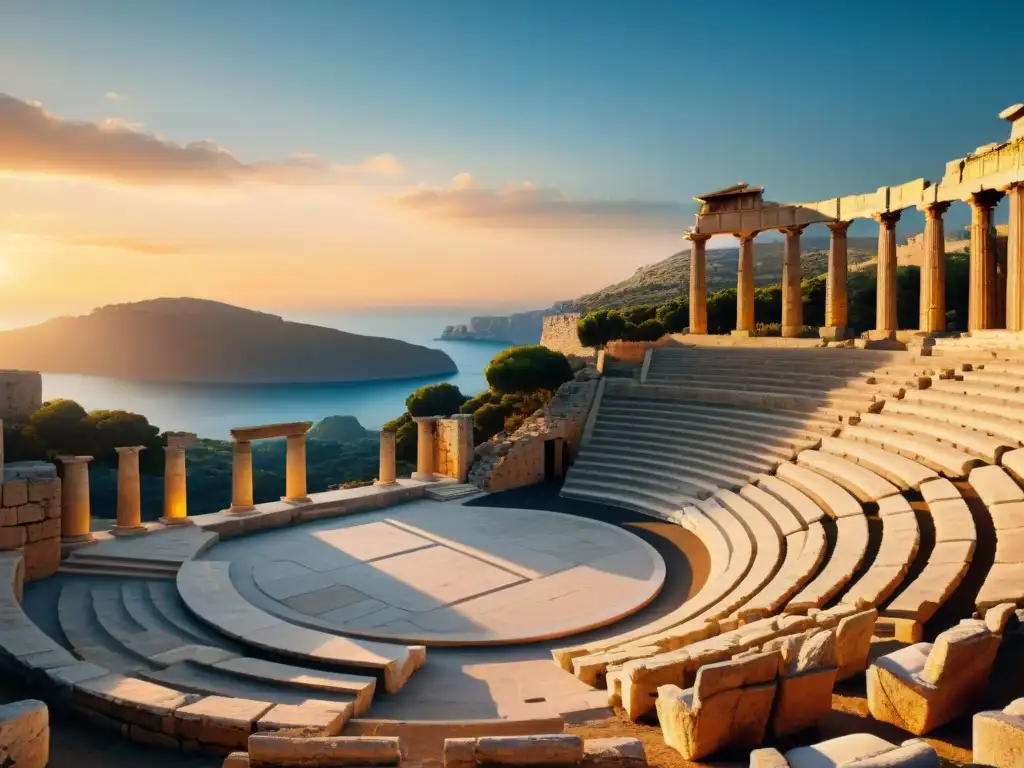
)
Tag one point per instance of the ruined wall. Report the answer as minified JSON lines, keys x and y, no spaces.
{"x":453,"y":446}
{"x":511,"y":461}
{"x":559,"y":334}
{"x":21,"y":394}
{"x":30,"y":521}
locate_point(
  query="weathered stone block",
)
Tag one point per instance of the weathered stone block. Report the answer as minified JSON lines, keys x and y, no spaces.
{"x":545,"y":749}
{"x":42,"y":559}
{"x":33,"y":532}
{"x":998,"y":737}
{"x":219,"y":720}
{"x":268,"y":750}
{"x":24,"y":734}
{"x":318,"y":718}
{"x":13,"y":538}
{"x":236,"y":760}
{"x":40,"y":489}
{"x":29,"y":513}
{"x":51,"y":507}
{"x":460,"y":753}
{"x":15,"y":493}
{"x":8,"y":516}
{"x":613,"y":753}
{"x":51,"y":528}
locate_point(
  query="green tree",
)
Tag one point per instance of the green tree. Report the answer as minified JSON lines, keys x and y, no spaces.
{"x":435,"y":400}
{"x":488,"y":420}
{"x":60,"y":427}
{"x":527,"y":369}
{"x":596,"y":329}
{"x":405,"y":436}
{"x":674,"y":315}
{"x":648,"y":330}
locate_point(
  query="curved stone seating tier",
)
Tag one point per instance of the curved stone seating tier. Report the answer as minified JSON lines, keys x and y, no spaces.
{"x":970,"y":441}
{"x":956,"y":400}
{"x":899,"y":470}
{"x":1004,"y":500}
{"x":645,"y":502}
{"x":864,"y":484}
{"x":847,"y":556}
{"x":998,"y":392}
{"x":828,"y":495}
{"x":690,"y":474}
{"x":998,"y":736}
{"x":855,"y":749}
{"x":206,"y":588}
{"x":901,"y":537}
{"x":766,"y":541}
{"x":781,"y":516}
{"x":1013,"y":463}
{"x":857,"y":395}
{"x":999,"y":427}
{"x":805,"y":551}
{"x":949,"y":461}
{"x":798,"y":502}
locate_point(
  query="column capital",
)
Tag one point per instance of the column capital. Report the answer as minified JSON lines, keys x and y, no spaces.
{"x":181,"y":439}
{"x":1013,"y":186}
{"x":697,"y":237}
{"x":425,"y":419}
{"x":986,"y":198}
{"x":838,"y":227}
{"x":129,"y":450}
{"x":793,"y":230}
{"x":74,"y":459}
{"x":745,"y":237}
{"x":888,"y":219}
{"x":934,"y":210}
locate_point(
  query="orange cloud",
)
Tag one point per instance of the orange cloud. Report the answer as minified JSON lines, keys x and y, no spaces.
{"x":35,"y":141}
{"x":135,"y":245}
{"x":528,"y":205}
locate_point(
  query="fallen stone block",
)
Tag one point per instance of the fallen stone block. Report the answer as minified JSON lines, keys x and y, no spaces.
{"x":24,"y":734}
{"x":862,"y":750}
{"x":270,"y":750}
{"x":998,"y":736}
{"x":221,"y":721}
{"x":318,"y":718}
{"x":544,"y":749}
{"x":619,"y":752}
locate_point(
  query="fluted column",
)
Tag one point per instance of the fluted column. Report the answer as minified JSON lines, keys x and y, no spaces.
{"x":295,"y":470}
{"x":698,"y":282}
{"x":886,"y":317}
{"x":982,"y":284}
{"x":1015,"y":260}
{"x":386,"y":475}
{"x":745,"y":285}
{"x":424,"y":448}
{"x":835,"y":281}
{"x":241,"y":478}
{"x":792,"y":298}
{"x":933,"y":271}
{"x":75,"y":522}
{"x":129,"y":494}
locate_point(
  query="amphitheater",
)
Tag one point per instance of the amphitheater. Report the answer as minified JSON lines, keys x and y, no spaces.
{"x":702,"y":551}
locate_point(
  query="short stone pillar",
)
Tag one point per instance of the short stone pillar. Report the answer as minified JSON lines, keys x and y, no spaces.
{"x":129,"y":495}
{"x":295,"y":470}
{"x":1015,"y":259}
{"x":75,"y":517}
{"x":464,"y":447}
{"x":981,"y":311}
{"x":792,"y":296}
{"x":241,"y":478}
{"x":933,"y":271}
{"x":835,"y":282}
{"x":886,"y":318}
{"x":175,"y":486}
{"x":386,"y":475}
{"x":745,"y":285}
{"x":424,"y":448}
{"x":698,"y":282}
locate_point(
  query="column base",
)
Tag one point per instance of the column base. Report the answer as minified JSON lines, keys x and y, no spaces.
{"x":792,"y":331}
{"x":69,"y":544}
{"x":239,"y":511}
{"x":834,"y":333}
{"x":177,"y":521}
{"x":385,"y":482}
{"x":880,"y":335}
{"x":742,"y":333}
{"x":129,"y":530}
{"x":296,"y":500}
{"x":424,"y":477}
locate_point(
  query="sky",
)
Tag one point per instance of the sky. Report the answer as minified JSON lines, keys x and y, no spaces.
{"x":349,"y":154}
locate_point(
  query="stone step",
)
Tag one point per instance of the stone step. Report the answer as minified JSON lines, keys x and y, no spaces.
{"x":856,"y":389}
{"x":996,"y":393}
{"x":901,"y":538}
{"x":782,"y":517}
{"x":957,"y":400}
{"x":623,"y":439}
{"x":968,"y":440}
{"x":941,"y":458}
{"x":131,"y":638}
{"x":88,"y":639}
{"x":805,"y":551}
{"x":744,"y":398}
{"x":166,"y":602}
{"x":138,"y":602}
{"x":674,"y":457}
{"x":768,"y":545}
{"x":828,"y":495}
{"x":615,"y":496}
{"x":864,"y":484}
{"x":118,"y":569}
{"x":805,"y":508}
{"x":778,"y":419}
{"x":847,"y":555}
{"x":995,"y":426}
{"x":669,"y":491}
{"x":899,"y":470}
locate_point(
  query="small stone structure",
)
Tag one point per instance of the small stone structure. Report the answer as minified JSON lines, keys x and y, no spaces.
{"x":21,"y":394}
{"x":295,"y":463}
{"x":30,"y":515}
{"x":511,"y":461}
{"x":855,"y":749}
{"x":25,"y":734}
{"x":559,"y":335}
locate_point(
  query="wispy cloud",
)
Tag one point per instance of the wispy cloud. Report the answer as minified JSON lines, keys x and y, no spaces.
{"x":114,"y":96}
{"x":33,"y":140}
{"x":135,"y":245}
{"x":527,"y":205}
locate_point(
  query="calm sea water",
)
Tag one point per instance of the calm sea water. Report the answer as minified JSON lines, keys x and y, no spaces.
{"x":211,"y":411}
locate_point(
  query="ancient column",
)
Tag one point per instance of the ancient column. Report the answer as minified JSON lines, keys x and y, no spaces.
{"x":933,"y":271}
{"x":835,"y":281}
{"x":129,"y":497}
{"x":386,"y":475}
{"x":1015,"y":260}
{"x":792,"y":298}
{"x":241,"y":478}
{"x":698,"y":282}
{"x":295,"y":470}
{"x":745,"y":285}
{"x":981,"y":312}
{"x":175,"y":489}
{"x":75,"y":523}
{"x":885,"y":300}
{"x":424,"y":448}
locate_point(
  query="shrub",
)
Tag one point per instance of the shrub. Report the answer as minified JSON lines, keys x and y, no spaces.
{"x":596,"y":329}
{"x":527,"y":369}
{"x":675,"y":315}
{"x":488,"y":421}
{"x":435,"y":400}
{"x":649,"y":330}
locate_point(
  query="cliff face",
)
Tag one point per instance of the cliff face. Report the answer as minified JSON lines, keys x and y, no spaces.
{"x":519,"y":328}
{"x":192,"y":340}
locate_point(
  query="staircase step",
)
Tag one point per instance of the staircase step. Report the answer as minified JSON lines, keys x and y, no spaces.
{"x":86,"y":636}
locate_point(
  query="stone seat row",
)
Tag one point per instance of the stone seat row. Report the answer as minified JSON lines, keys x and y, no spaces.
{"x":855,"y":750}
{"x":1003,"y":497}
{"x":206,"y":588}
{"x":140,"y":710}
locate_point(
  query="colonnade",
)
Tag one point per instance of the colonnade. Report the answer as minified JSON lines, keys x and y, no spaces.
{"x":295,"y":464}
{"x":996,"y":295}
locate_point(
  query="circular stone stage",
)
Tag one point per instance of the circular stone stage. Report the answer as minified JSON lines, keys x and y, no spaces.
{"x":444,"y":574}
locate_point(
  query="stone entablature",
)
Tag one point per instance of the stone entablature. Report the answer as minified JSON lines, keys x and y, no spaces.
{"x":511,"y":461}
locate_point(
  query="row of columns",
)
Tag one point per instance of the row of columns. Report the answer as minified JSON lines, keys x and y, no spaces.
{"x":994,"y":292}
{"x":242,"y":502}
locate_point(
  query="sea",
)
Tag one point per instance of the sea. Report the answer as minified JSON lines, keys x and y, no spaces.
{"x":211,"y":411}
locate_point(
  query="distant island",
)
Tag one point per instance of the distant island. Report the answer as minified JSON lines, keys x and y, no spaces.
{"x":189,"y":340}
{"x":518,"y":329}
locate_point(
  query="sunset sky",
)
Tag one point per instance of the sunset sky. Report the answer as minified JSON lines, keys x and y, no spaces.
{"x":348,"y":153}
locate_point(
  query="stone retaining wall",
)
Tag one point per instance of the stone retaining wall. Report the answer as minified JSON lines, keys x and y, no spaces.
{"x":511,"y":461}
{"x":21,"y":394}
{"x":30,"y":523}
{"x":559,"y":334}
